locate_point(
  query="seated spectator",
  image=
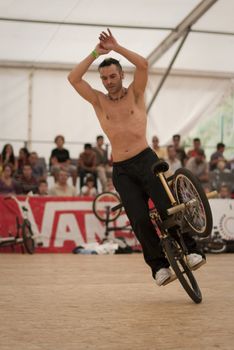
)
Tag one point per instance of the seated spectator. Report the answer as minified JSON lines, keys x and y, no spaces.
{"x":160,"y":151}
{"x":38,"y":170}
{"x":7,"y":184}
{"x":172,"y":160}
{"x":217,"y":156}
{"x":89,"y":188}
{"x":43,"y":188}
{"x":87,"y":164}
{"x":224,"y":192}
{"x":61,"y":187}
{"x":60,"y":159}
{"x":7,"y":157}
{"x":196,"y":147}
{"x":23,"y":159}
{"x":180,"y":152}
{"x":199,"y":167}
{"x":26,"y":181}
{"x":102,"y":164}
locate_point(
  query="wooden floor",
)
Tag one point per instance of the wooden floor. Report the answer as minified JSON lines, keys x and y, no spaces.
{"x":66,"y":302}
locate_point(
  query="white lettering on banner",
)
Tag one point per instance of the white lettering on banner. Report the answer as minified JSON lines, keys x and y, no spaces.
{"x":49,"y":214}
{"x":93,"y":227}
{"x":223,"y":217}
{"x":67,"y":230}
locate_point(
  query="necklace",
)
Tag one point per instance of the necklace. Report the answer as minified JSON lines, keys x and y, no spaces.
{"x":124,"y":93}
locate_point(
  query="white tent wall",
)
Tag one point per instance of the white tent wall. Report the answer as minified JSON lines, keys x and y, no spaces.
{"x":58,"y":109}
{"x":182,"y":103}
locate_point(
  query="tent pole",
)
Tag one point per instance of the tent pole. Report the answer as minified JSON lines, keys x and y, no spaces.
{"x":30,"y":91}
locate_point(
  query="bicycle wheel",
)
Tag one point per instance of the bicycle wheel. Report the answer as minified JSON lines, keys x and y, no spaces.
{"x":197,"y":215}
{"x":102,"y":205}
{"x":28,"y":239}
{"x":177,"y":261}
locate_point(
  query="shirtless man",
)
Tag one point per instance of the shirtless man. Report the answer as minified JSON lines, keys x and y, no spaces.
{"x":122,"y":115}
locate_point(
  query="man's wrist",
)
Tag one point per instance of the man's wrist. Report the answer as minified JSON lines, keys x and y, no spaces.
{"x":95,"y":54}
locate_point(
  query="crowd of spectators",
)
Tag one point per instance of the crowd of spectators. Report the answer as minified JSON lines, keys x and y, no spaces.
{"x":26,"y":172}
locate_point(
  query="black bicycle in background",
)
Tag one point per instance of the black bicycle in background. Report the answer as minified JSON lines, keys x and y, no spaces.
{"x":189,"y":211}
{"x":23,"y":234}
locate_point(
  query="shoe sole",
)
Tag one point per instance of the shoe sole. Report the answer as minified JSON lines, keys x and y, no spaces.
{"x":169,"y":280}
{"x":197,"y":266}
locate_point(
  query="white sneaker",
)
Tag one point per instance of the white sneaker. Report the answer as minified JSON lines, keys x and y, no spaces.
{"x":195,"y":261}
{"x":164,"y":276}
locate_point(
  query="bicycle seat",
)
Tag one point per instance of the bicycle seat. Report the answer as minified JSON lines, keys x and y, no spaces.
{"x":160,"y":167}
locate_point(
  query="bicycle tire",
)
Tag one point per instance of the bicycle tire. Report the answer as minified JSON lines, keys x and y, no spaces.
{"x":176,"y":259}
{"x":101,"y":210}
{"x":28,"y":239}
{"x":198,"y":216}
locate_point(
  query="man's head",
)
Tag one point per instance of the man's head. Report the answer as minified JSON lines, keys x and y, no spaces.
{"x":27,"y":171}
{"x":33,"y":158}
{"x":224,"y":191}
{"x":111,"y":74}
{"x":176,"y":139}
{"x":62,"y":177}
{"x":59,"y":140}
{"x":43,"y":187}
{"x":196,"y":143}
{"x":200,"y":156}
{"x":220,"y":147}
{"x":100,"y":140}
{"x":171,"y":151}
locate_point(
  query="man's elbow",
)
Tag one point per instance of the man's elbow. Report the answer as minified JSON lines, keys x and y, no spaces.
{"x":144,"y":64}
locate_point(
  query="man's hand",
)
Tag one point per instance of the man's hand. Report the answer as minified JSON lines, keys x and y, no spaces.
{"x":101,"y":50}
{"x":107,"y":41}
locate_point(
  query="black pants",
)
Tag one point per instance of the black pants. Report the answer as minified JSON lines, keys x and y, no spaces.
{"x":136,"y":183}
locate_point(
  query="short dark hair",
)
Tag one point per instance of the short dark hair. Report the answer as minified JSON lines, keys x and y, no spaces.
{"x":87,"y":146}
{"x":99,"y":137}
{"x":59,"y":137}
{"x":196,"y":139}
{"x":220,"y":145}
{"x":108,"y":62}
{"x":176,"y":136}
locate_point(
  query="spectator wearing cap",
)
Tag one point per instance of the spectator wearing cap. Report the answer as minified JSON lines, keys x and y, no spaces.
{"x":199,"y":167}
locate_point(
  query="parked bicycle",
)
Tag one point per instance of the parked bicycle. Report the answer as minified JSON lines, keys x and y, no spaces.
{"x":189,"y":208}
{"x":23,"y":235}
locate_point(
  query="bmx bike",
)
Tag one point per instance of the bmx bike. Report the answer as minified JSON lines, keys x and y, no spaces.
{"x":189,"y":211}
{"x":24,"y":235}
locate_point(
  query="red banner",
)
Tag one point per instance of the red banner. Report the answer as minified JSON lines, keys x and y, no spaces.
{"x":60,"y":223}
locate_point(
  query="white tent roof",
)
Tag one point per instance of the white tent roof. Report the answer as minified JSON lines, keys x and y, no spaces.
{"x":64,"y":31}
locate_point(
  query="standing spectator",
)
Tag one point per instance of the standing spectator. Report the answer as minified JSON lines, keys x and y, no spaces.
{"x":60,"y":159}
{"x":61,"y":187}
{"x":8,"y":157}
{"x":199,"y":167}
{"x":38,"y":170}
{"x":196,"y":147}
{"x":23,"y":159}
{"x":160,"y":151}
{"x":27,"y":182}
{"x":43,"y":188}
{"x":217,"y":156}
{"x":102,"y":163}
{"x":172,"y":160}
{"x":7,"y":183}
{"x":180,"y":152}
{"x":87,"y":164}
{"x":89,"y":188}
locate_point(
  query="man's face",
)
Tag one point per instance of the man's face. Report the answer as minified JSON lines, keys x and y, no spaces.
{"x":27,"y":171}
{"x":62,"y":178}
{"x":111,"y":78}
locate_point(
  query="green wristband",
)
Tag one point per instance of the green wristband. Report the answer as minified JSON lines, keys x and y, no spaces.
{"x":95,"y":54}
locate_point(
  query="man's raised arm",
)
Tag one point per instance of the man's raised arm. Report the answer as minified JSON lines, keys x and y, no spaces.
{"x":76,"y":75}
